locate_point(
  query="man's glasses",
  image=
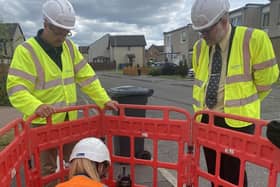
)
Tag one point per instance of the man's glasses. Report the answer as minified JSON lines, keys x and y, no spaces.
{"x":209,"y":29}
{"x":206,"y":31}
{"x":59,"y":31}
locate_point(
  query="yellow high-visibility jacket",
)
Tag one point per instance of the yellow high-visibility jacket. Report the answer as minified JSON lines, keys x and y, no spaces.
{"x":35,"y":79}
{"x":251,"y":71}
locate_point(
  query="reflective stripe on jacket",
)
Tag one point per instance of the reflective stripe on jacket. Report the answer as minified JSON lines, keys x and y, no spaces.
{"x":80,"y":181}
{"x":34,"y":79}
{"x":251,"y":71}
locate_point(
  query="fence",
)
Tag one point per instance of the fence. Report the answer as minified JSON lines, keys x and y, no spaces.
{"x":134,"y":70}
{"x":165,"y":124}
{"x":248,"y":148}
{"x":103,"y":66}
{"x":3,"y":77}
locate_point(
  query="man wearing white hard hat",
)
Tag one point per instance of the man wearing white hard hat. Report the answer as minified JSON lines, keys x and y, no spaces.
{"x":235,"y":68}
{"x":45,"y":70}
{"x":89,"y":163}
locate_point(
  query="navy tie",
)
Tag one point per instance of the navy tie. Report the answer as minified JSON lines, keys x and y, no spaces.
{"x":214,"y":80}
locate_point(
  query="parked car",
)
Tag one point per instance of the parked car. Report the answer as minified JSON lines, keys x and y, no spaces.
{"x":191,"y":72}
{"x":157,"y":64}
{"x":169,"y":68}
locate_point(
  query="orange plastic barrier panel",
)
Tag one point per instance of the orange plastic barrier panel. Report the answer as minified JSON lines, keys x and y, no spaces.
{"x":107,"y":124}
{"x":161,"y":126}
{"x":14,"y":156}
{"x":249,"y":148}
{"x":52,"y":135}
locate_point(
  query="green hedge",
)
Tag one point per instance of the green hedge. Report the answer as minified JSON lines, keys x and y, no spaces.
{"x":4,"y":101}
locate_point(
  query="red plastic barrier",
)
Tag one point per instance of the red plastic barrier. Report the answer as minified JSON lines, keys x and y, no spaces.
{"x":14,"y":157}
{"x":251,"y":148}
{"x":185,"y":131}
{"x":107,"y":125}
{"x":56,"y":135}
{"x":155,"y":129}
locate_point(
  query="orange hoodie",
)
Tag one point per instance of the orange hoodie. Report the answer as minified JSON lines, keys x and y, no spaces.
{"x":80,"y":181}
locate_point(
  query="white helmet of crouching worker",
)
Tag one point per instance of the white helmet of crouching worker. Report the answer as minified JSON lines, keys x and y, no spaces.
{"x":91,"y":148}
{"x":59,"y":13}
{"x":206,"y":13}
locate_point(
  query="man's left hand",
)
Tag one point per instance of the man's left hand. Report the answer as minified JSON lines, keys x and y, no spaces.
{"x":112,"y":105}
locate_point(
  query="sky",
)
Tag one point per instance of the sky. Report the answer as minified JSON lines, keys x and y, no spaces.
{"x":96,"y":18}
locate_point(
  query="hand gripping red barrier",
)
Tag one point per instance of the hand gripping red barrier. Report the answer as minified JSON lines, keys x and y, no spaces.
{"x":14,"y":157}
{"x":247,"y":147}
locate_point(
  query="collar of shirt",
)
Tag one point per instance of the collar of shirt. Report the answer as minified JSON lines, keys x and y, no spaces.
{"x":225,"y":41}
{"x":83,"y":174}
{"x":47,"y":47}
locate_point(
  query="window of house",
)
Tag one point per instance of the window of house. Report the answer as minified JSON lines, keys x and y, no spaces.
{"x":168,"y":40}
{"x":1,"y":48}
{"x":265,"y":19}
{"x":236,"y":20}
{"x":128,"y":48}
{"x":183,"y":36}
{"x":5,"y":48}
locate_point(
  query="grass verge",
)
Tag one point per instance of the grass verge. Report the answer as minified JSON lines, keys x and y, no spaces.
{"x":6,"y":139}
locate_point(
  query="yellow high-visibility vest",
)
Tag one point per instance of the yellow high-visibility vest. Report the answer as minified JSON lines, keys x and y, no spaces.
{"x":251,"y":71}
{"x":34,"y":79}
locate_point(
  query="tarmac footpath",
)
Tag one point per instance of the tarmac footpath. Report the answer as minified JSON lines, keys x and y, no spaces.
{"x":8,"y":114}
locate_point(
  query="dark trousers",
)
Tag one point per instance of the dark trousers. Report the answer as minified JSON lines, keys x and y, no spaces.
{"x":229,"y":166}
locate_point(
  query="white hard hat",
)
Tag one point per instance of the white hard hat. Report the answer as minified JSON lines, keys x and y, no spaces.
{"x":206,"y":13}
{"x":91,"y":148}
{"x":59,"y":13}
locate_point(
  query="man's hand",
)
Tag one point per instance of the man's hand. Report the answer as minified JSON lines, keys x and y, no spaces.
{"x":112,"y":104}
{"x":45,"y":110}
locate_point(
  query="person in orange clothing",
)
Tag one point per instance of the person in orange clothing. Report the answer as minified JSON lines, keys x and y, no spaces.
{"x":89,"y":163}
